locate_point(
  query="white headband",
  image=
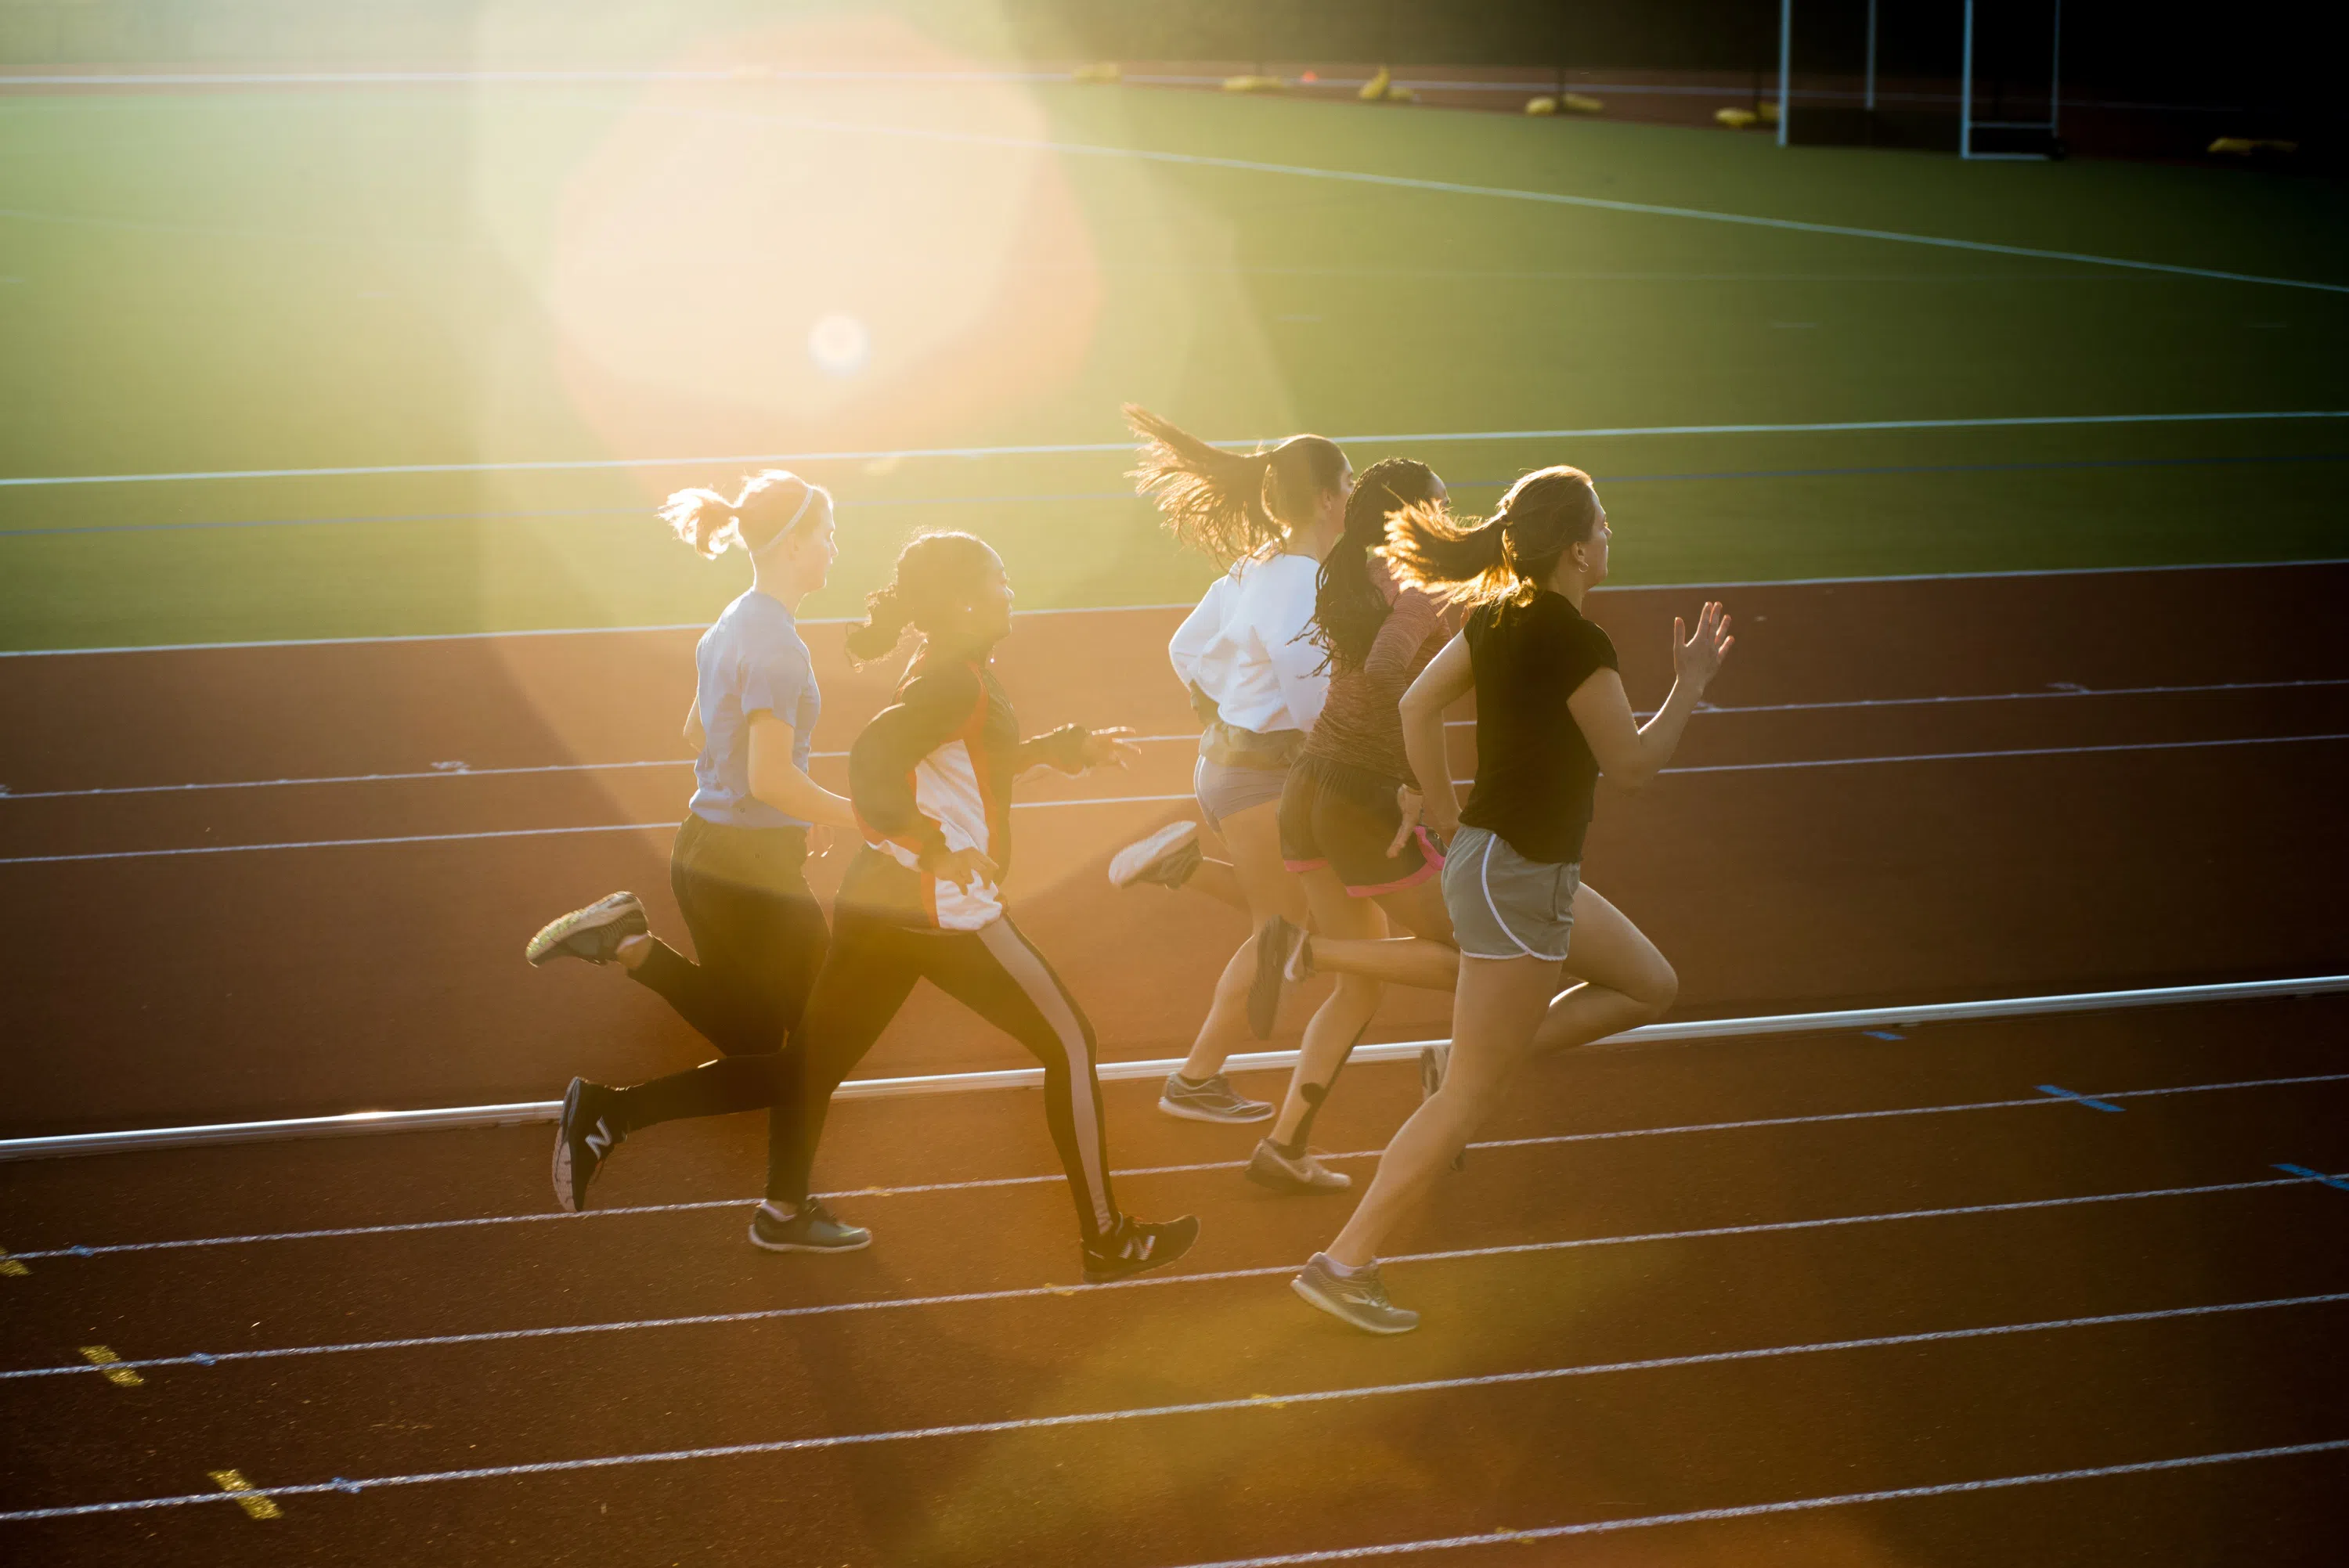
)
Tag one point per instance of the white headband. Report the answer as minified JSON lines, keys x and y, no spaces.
{"x":797,"y":512}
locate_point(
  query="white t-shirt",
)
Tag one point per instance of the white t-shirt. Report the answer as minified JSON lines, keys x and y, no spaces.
{"x":1245,"y":646}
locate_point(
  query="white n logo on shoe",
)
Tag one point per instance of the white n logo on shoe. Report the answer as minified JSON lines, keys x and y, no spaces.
{"x":600,"y":1142}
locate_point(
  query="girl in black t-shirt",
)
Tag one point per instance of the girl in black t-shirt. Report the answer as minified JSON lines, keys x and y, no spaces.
{"x":1551,"y":716}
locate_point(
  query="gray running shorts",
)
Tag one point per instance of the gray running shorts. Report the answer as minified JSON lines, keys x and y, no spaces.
{"x":1503,"y":905}
{"x":1226,"y":791}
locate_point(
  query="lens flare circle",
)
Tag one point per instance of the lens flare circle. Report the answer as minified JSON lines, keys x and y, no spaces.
{"x":838,"y":343}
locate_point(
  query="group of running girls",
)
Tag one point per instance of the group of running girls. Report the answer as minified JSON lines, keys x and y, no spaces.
{"x":1352,"y":615}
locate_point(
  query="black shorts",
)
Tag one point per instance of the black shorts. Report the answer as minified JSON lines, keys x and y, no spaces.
{"x":1344,"y":818}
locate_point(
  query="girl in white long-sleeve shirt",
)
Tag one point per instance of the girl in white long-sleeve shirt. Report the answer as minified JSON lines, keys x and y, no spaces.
{"x":1256,"y":680}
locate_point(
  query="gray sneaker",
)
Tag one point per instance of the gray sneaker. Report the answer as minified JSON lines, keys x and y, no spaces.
{"x":594,"y":934}
{"x":1211,"y":1100}
{"x":815,"y":1229}
{"x":1360,"y":1299}
{"x":1269,"y":1167}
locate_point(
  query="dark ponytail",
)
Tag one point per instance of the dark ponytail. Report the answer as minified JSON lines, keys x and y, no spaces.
{"x":1347,"y":608}
{"x":1507,"y":557}
{"x":1225,"y":505}
{"x":935,"y":573}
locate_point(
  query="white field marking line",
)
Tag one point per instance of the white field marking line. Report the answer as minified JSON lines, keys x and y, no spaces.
{"x":1976,"y":755}
{"x":1031,"y":1293}
{"x":1185,"y":738}
{"x":1154,"y":799}
{"x":1254,"y":1402}
{"x":697,"y":627}
{"x":1507,"y":1537}
{"x":1063,"y":448}
{"x":1498,"y":192}
{"x":912,"y":1188}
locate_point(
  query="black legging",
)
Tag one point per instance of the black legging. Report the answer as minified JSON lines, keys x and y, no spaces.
{"x":994,"y":972}
{"x":762,"y":938}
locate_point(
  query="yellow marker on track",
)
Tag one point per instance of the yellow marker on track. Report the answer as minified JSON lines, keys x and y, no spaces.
{"x":256,"y":1504}
{"x":10,"y":1266}
{"x":104,"y":1360}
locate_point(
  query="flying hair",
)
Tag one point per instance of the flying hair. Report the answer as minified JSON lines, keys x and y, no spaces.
{"x":1347,"y":608}
{"x":1226,"y":505}
{"x":773,"y":501}
{"x":1507,"y":556}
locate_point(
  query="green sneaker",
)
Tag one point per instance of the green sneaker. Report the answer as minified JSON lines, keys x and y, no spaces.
{"x":813,"y":1229}
{"x":1359,"y":1298}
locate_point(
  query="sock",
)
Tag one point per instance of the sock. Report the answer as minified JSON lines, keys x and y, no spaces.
{"x":777,"y":1211}
{"x":1188,"y":1082}
{"x":1342,"y":1270}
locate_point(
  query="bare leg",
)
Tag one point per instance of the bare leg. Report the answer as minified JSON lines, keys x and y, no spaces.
{"x":1220,"y":881}
{"x":632,"y":951}
{"x":1339,"y":1021}
{"x":1428,"y":960}
{"x":1254,"y":836}
{"x":1505,"y":1010}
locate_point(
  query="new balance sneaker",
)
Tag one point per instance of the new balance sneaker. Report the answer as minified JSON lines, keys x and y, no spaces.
{"x":1293,"y":1175}
{"x":583,"y":1139}
{"x":815,"y":1229}
{"x":1166,"y":857}
{"x":1359,"y":1298}
{"x":594,"y":934}
{"x":1283,"y":955}
{"x":1137,"y":1246}
{"x":1209,"y":1100}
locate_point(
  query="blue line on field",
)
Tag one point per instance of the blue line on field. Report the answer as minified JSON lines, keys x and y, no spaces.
{"x":2317,"y":1176}
{"x":2067,"y":1094}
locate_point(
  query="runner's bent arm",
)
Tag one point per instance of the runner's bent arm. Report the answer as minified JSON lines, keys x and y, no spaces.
{"x":1448,"y":677}
{"x":780,"y":783}
{"x":1629,"y":754}
{"x":929,"y":711}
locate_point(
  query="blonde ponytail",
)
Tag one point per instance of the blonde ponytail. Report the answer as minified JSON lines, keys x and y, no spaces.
{"x":703,"y":519}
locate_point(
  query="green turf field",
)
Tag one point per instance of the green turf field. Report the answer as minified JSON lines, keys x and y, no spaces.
{"x":225,"y":279}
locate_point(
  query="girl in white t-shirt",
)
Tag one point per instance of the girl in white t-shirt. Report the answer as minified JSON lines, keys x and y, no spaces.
{"x":1256,"y":680}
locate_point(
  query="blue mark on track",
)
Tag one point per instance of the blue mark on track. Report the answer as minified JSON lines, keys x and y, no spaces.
{"x":1884,"y":1034}
{"x":2301,"y":1171}
{"x":2062,"y":1093}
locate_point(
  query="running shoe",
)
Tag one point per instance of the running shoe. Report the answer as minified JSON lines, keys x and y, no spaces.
{"x":1296,"y":1175}
{"x":1435,"y":1061}
{"x":583,"y":1139}
{"x":1137,"y":1246}
{"x":1283,"y":955}
{"x":1210,"y":1099}
{"x":1166,"y":857}
{"x":594,"y":934}
{"x":1359,"y":1298}
{"x":815,"y":1229}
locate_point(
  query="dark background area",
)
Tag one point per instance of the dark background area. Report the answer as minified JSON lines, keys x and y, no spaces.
{"x":2276,"y":60}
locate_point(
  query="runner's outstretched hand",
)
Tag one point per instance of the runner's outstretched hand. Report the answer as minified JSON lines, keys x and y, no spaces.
{"x":1111,"y":747}
{"x":1697,"y":657}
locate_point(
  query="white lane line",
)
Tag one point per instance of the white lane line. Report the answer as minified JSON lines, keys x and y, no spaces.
{"x":1254,"y":1402}
{"x":1506,"y":1537}
{"x":912,"y":1188}
{"x":697,"y":627}
{"x":1032,"y":1293}
{"x":1489,"y":193}
{"x":1071,"y":448}
{"x":1151,"y":799}
{"x":1977,"y":756}
{"x":466,"y":773}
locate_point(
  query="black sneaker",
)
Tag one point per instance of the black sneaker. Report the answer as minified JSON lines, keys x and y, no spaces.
{"x":1166,"y":857}
{"x":815,"y":1229}
{"x":583,"y":1140}
{"x":1282,"y":955}
{"x":1137,"y":1245}
{"x":594,"y":934}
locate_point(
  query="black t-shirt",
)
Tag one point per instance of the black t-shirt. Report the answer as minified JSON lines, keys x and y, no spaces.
{"x":1535,"y":772}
